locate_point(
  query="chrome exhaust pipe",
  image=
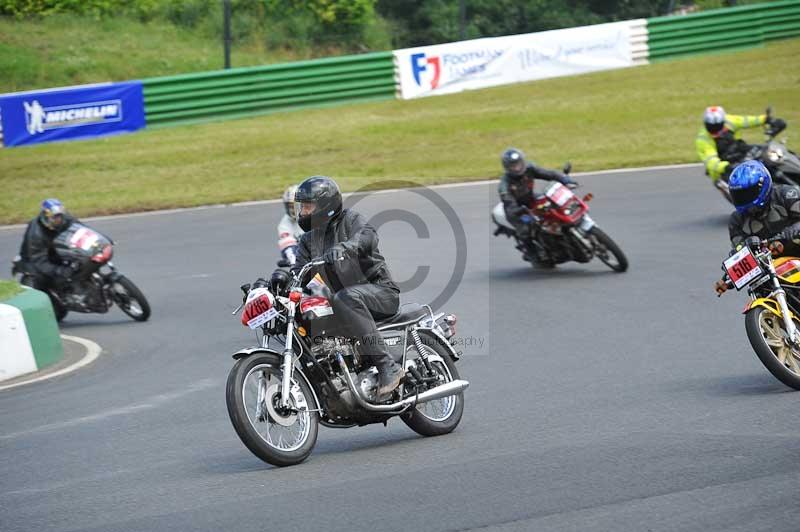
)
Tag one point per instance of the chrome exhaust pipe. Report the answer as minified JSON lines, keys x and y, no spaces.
{"x":445,"y":390}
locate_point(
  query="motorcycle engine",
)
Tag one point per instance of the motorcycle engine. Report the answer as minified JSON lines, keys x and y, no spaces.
{"x":324,"y":349}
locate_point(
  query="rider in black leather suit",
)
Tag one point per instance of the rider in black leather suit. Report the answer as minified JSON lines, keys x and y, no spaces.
{"x":38,"y":256}
{"x":355,"y":271}
{"x":516,"y":193}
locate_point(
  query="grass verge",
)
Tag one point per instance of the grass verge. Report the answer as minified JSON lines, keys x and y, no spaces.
{"x":9,"y":289}
{"x":633,"y":117}
{"x":65,"y":49}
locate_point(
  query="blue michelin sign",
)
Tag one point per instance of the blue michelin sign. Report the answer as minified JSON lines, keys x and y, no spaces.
{"x":71,"y":113}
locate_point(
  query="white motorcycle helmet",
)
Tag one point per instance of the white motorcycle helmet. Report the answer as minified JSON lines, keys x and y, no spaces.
{"x":714,"y":119}
{"x":288,"y":201}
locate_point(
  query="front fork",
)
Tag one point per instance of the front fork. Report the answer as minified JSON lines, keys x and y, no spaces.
{"x":288,"y":365}
{"x":780,"y":296}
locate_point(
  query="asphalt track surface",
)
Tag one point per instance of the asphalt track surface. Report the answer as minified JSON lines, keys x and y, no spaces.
{"x":598,"y":401}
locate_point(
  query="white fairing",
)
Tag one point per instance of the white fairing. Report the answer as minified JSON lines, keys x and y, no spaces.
{"x":499,"y":216}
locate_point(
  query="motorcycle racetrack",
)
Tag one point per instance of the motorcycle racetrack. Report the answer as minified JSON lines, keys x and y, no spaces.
{"x":598,"y":401}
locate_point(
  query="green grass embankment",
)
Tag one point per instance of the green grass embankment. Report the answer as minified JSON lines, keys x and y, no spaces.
{"x":9,"y":289}
{"x":634,"y":117}
{"x":63,"y":49}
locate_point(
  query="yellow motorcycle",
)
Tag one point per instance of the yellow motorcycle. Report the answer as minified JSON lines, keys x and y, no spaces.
{"x":771,"y":321}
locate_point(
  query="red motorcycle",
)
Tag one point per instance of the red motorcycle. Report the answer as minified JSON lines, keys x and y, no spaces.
{"x":566,"y":232}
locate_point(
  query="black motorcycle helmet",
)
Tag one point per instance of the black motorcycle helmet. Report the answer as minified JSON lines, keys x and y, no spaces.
{"x":514,"y":162}
{"x":317,"y":201}
{"x":279,"y":282}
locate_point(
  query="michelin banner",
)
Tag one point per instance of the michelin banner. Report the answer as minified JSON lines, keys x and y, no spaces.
{"x":458,"y":66}
{"x":71,"y":113}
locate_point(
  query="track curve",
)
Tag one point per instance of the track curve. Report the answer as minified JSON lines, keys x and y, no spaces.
{"x":598,"y":401}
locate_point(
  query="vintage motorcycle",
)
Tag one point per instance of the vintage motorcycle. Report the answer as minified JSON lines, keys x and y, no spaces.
{"x":277,"y":399}
{"x":567,"y":233}
{"x":95,"y":285}
{"x":771,"y":319}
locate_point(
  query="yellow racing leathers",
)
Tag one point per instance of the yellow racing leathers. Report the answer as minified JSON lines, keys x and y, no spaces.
{"x":718,"y":151}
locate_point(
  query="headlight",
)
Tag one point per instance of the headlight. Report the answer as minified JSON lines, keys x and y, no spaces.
{"x":775,"y":155}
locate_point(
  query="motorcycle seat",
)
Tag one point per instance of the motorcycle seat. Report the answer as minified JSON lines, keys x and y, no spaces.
{"x":410,"y":312}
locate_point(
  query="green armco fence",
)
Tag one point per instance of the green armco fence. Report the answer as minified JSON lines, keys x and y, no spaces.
{"x":722,"y":29}
{"x":257,"y":90}
{"x":242,"y":92}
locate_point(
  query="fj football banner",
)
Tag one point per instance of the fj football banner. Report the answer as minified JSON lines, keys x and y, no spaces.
{"x":70,"y":113}
{"x":458,"y":66}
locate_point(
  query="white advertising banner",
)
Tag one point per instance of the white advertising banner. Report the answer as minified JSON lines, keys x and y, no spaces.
{"x":465,"y":65}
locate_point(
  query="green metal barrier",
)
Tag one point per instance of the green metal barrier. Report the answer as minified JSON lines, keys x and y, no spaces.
{"x":251,"y":91}
{"x":722,"y":29}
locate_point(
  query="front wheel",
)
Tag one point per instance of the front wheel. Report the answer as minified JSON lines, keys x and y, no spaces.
{"x":767,"y":334}
{"x":608,"y":251}
{"x":130,"y":299}
{"x":279,"y":436}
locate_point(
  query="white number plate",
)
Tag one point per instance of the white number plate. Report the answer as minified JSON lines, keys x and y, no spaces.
{"x":558,"y":194}
{"x":262,"y":318}
{"x":742,"y":268}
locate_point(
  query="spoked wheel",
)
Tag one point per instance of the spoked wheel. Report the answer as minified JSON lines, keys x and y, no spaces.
{"x":277,"y":435}
{"x":608,"y":251}
{"x":442,"y":415}
{"x":767,"y":334}
{"x":130,"y":299}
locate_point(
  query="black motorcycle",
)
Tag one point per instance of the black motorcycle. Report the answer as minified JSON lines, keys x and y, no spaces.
{"x":95,"y":285}
{"x":783,"y":164}
{"x":277,"y":398}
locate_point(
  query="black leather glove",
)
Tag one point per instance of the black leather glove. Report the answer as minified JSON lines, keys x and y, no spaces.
{"x":753,"y":242}
{"x":333,"y":254}
{"x":776,"y":125}
{"x":792,"y":233}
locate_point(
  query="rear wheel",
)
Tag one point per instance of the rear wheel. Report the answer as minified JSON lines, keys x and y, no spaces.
{"x":767,"y":334}
{"x":130,"y":299}
{"x":281,"y":437}
{"x":608,"y":251}
{"x":442,"y":415}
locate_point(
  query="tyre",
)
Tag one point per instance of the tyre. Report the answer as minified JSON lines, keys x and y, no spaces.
{"x":608,"y":251}
{"x":442,"y":415}
{"x":130,"y":299}
{"x":253,"y":392}
{"x":766,"y":333}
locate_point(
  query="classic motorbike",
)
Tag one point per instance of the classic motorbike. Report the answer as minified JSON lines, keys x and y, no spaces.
{"x":567,"y":232}
{"x":95,"y":285}
{"x":771,"y":319}
{"x":278,"y":397}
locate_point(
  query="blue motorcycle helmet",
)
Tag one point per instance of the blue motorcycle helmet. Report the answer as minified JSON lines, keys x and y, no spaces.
{"x":52,"y":213}
{"x":750,"y":186}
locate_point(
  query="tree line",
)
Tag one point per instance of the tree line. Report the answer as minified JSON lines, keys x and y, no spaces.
{"x":363,"y":25}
